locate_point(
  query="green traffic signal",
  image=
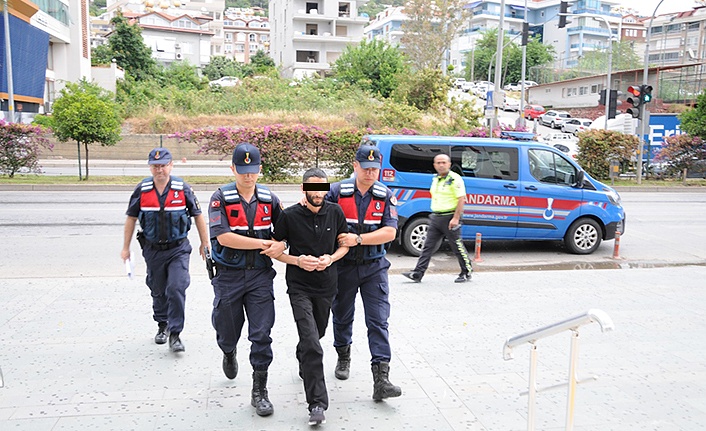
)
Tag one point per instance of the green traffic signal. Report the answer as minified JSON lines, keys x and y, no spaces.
{"x":646,"y":91}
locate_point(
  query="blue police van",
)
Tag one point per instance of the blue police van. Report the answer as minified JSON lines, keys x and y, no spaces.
{"x":515,"y":190}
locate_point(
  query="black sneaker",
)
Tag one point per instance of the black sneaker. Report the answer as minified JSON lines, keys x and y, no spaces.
{"x":161,"y":336}
{"x":462,"y":278}
{"x":175,"y":344}
{"x":316,"y":416}
{"x":415,"y":277}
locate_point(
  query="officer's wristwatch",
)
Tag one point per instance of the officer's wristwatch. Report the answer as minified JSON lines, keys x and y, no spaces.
{"x":359,"y":239}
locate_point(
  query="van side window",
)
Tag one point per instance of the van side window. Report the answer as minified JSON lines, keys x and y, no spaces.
{"x":551,"y":168}
{"x":498,"y":163}
{"x":415,"y":158}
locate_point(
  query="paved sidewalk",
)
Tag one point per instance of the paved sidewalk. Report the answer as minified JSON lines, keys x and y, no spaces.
{"x":77,"y":354}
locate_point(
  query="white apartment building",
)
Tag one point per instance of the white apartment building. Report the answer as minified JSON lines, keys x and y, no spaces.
{"x":679,"y":38}
{"x":311,"y":34}
{"x":387,"y":26}
{"x":212,"y":9}
{"x":244,"y":34}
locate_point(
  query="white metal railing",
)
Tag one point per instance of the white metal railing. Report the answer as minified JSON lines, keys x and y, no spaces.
{"x":572,"y":324}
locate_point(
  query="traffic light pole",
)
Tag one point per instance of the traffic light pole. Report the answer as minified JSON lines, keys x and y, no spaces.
{"x":498,"y":64}
{"x":641,"y":138}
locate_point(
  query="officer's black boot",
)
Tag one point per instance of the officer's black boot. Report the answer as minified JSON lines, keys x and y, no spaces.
{"x":343,"y":365}
{"x":382,"y":388}
{"x":259,"y":400}
{"x":230,"y":364}
{"x":161,"y":336}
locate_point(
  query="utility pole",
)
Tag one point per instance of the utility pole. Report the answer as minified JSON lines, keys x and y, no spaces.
{"x":8,"y":64}
{"x":523,"y":76}
{"x":498,"y":64}
{"x":645,"y":71}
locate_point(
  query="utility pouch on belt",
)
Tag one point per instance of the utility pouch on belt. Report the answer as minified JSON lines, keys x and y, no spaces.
{"x":210,"y":264}
{"x":141,"y":239}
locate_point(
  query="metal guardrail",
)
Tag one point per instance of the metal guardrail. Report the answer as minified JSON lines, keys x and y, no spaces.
{"x":572,"y":324}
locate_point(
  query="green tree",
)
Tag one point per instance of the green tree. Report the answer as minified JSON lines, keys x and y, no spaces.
{"x":129,"y":49}
{"x":221,"y":66}
{"x":262,"y":62}
{"x":102,"y":54}
{"x":485,"y":48}
{"x":86,"y":113}
{"x":693,"y":121}
{"x":373,"y":66}
{"x":182,"y":75}
{"x":425,"y":89}
{"x":624,"y":58}
{"x":430,"y":28}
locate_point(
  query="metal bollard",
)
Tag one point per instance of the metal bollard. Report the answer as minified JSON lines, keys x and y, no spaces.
{"x":616,"y":246}
{"x":477,"y":258}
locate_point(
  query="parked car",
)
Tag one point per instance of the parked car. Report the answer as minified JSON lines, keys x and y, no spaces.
{"x":512,"y":87}
{"x":467,"y":86}
{"x":576,"y":125}
{"x":532,"y":112}
{"x":569,"y":148}
{"x":225,"y":81}
{"x":458,"y":83}
{"x":528,"y":84}
{"x":553,"y":119}
{"x":511,"y":104}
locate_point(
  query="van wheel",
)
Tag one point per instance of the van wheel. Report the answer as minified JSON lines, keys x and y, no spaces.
{"x":414,"y":235}
{"x":583,"y":237}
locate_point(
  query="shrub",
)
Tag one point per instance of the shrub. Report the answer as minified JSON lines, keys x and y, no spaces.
{"x":598,"y":147}
{"x":20,"y":147}
{"x":681,"y":152}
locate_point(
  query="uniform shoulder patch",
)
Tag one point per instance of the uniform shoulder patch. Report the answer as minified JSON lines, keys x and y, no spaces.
{"x":393,"y":200}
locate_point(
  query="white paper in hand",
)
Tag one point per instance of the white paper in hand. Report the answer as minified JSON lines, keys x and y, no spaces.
{"x":130,"y":267}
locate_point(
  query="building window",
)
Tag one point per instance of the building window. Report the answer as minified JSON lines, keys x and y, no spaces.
{"x":251,"y":38}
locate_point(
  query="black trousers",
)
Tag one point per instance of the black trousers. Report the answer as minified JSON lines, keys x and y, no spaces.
{"x":311,"y":315}
{"x":438,"y":229}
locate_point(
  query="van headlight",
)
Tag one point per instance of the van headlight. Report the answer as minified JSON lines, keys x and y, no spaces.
{"x":613,"y":197}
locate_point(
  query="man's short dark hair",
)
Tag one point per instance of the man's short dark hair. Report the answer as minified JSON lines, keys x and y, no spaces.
{"x":314,"y":172}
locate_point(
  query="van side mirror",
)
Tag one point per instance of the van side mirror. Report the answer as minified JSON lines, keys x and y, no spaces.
{"x":579,"y":179}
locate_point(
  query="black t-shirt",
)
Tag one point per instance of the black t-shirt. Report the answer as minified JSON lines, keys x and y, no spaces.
{"x":312,"y":234}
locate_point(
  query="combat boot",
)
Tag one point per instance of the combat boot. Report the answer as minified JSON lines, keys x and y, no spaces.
{"x":259,"y":400}
{"x":382,"y":388}
{"x":343,"y":365}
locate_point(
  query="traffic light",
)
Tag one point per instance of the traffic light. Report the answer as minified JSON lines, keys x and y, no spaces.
{"x":563,"y":8}
{"x":646,"y":93}
{"x":636,"y":99}
{"x":525,"y":33}
{"x":601,"y":98}
{"x":613,"y":102}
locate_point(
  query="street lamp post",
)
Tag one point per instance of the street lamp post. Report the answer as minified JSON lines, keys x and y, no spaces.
{"x":498,"y":62}
{"x":644,"y":81}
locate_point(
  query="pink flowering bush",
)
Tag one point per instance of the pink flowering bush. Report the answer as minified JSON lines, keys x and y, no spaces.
{"x":20,"y":147}
{"x":681,"y":152}
{"x":288,"y":149}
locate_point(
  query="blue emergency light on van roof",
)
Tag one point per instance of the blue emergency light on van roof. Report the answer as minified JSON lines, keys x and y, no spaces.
{"x":517,"y":136}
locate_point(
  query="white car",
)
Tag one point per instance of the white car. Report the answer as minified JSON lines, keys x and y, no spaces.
{"x":554,"y":119}
{"x":467,"y":86}
{"x":458,"y":83}
{"x":576,"y":125}
{"x":511,"y":104}
{"x":570,"y":148}
{"x":225,"y":81}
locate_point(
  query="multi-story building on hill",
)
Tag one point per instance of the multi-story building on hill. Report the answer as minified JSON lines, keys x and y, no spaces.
{"x":309,"y":35}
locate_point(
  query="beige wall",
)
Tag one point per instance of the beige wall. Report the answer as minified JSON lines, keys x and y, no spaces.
{"x":131,"y":147}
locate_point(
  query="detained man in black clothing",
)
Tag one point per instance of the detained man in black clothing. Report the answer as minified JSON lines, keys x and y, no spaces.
{"x":312,"y":281}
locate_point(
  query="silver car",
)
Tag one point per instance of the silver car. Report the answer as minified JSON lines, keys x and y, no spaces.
{"x":553,"y":119}
{"x":576,"y":125}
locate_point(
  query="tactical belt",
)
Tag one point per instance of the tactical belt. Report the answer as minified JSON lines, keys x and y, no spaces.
{"x":166,"y":246}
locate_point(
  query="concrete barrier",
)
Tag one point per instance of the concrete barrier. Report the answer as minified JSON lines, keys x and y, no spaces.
{"x":130,"y":147}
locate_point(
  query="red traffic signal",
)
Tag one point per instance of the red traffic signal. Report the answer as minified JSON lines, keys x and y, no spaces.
{"x":635,"y":90}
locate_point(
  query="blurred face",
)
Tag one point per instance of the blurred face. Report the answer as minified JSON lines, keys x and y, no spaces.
{"x":442,"y":164}
{"x":244,"y":180}
{"x":365,"y":177}
{"x":315,"y":199}
{"x":161,"y":172}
